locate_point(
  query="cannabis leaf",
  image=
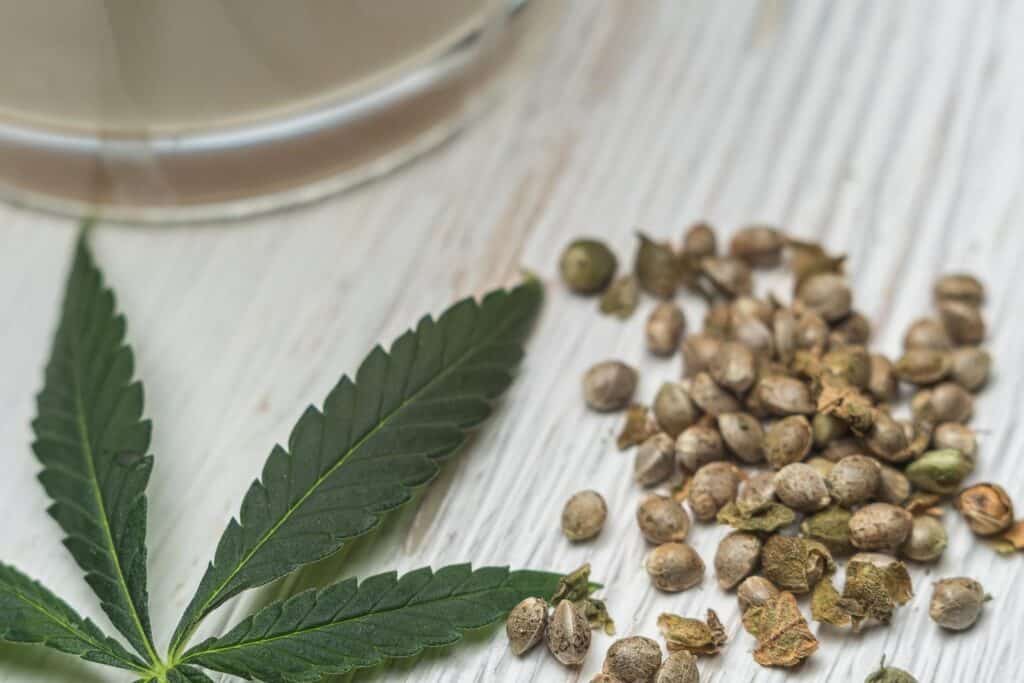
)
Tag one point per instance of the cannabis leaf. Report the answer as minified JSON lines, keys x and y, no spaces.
{"x":29,"y":613}
{"x":93,"y":446}
{"x":348,"y":625}
{"x":375,"y":440}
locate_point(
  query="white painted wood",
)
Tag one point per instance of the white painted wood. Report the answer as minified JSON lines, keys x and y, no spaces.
{"x":892,"y":130}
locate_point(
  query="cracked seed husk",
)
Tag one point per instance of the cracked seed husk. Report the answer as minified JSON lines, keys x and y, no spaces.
{"x":609,"y":386}
{"x":638,"y":427}
{"x":583,"y":516}
{"x":633,"y":660}
{"x":794,"y":564}
{"x":831,"y":528}
{"x":879,"y":526}
{"x":665,"y":327}
{"x":736,"y":558}
{"x":787,"y":441}
{"x":655,"y":460}
{"x":692,"y":635}
{"x":986,"y":508}
{"x":525,"y":624}
{"x":662,"y":520}
{"x":568,"y":634}
{"x":875,"y":585}
{"x":939,"y":471}
{"x":713,"y":485}
{"x":770,"y":517}
{"x":783,"y":637}
{"x":956,"y":603}
{"x":674,"y":567}
{"x":587,"y":266}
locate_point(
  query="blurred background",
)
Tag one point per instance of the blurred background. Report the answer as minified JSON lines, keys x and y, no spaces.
{"x":889,"y":131}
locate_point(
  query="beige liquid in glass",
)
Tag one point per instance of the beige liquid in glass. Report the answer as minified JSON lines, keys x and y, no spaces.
{"x":137,"y":70}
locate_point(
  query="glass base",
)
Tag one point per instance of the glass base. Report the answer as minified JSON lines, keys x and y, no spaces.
{"x":234,"y":172}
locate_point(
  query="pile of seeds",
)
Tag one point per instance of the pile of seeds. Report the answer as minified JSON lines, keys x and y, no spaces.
{"x":782,"y":427}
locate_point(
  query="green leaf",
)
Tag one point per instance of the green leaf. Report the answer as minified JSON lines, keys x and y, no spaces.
{"x":187,"y":674}
{"x":375,"y":440}
{"x":349,"y":626}
{"x":93,"y":446}
{"x":29,"y":613}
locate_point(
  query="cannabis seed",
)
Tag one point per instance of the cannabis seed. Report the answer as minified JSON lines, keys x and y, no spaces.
{"x":851,"y":364}
{"x":525,"y":624}
{"x":756,"y":493}
{"x":883,"y":384}
{"x":782,"y":396}
{"x":621,"y":297}
{"x":662,"y":520}
{"x":673,"y":409}
{"x":654,"y":460}
{"x":758,"y":245}
{"x":712,"y":398}
{"x":986,"y":508}
{"x":955,"y":435}
{"x":764,"y":311}
{"x":568,"y":634}
{"x":939,"y":471}
{"x":665,"y":327}
{"x":609,"y":386}
{"x":927,"y":333}
{"x":583,"y":516}
{"x":887,"y":439}
{"x":894,"y":487}
{"x":946,"y":402}
{"x":587,"y":266}
{"x":679,"y":667}
{"x":956,"y":603}
{"x":733,"y":367}
{"x":971,"y":367}
{"x":801,"y":487}
{"x":827,"y":294}
{"x":750,"y":331}
{"x":879,"y":526}
{"x":827,"y":428}
{"x":963,"y":322}
{"x":736,"y":558}
{"x":674,"y":567}
{"x":960,"y":287}
{"x":742,"y":434}
{"x":927,"y":540}
{"x":730,"y":276}
{"x":700,"y":240}
{"x":656,"y":268}
{"x":698,"y":352}
{"x":788,"y":440}
{"x":697,"y":446}
{"x":811,"y":331}
{"x":633,"y":660}
{"x":853,"y":330}
{"x":854,"y":480}
{"x":754,"y":592}
{"x":784,"y":334}
{"x":713,"y":485}
{"x":924,"y":366}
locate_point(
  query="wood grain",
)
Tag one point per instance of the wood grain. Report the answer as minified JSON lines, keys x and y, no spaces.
{"x":894,"y":131}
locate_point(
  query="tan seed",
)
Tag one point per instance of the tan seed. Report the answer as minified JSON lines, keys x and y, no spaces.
{"x":971,"y":367}
{"x":736,"y":558}
{"x":758,"y":245}
{"x":879,"y":526}
{"x":673,"y":409}
{"x":674,"y":567}
{"x":526,"y":624}
{"x":655,"y":460}
{"x":734,"y":367}
{"x":924,"y":366}
{"x":754,"y":592}
{"x":698,"y":352}
{"x":609,"y":386}
{"x":633,"y":660}
{"x":782,"y":396}
{"x":697,"y":446}
{"x":854,"y":480}
{"x":801,"y":487}
{"x":960,"y":287}
{"x":963,"y":322}
{"x":665,"y":328}
{"x":712,"y":398}
{"x":583,"y":515}
{"x":713,"y":485}
{"x":827,"y":294}
{"x":956,"y":603}
{"x":662,"y":520}
{"x":568,"y":634}
{"x":788,"y":440}
{"x":742,"y":434}
{"x":927,"y":333}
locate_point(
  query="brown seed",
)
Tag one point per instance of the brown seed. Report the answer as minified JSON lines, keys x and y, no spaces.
{"x":525,"y":624}
{"x":788,"y":440}
{"x":840,"y":448}
{"x":957,"y":436}
{"x":971,"y":367}
{"x":736,"y":558}
{"x":960,"y":287}
{"x":811,"y":331}
{"x":893,"y":487}
{"x":880,"y":526}
{"x":700,"y":240}
{"x":887,"y":440}
{"x":656,"y":267}
{"x":854,"y":329}
{"x":697,"y":446}
{"x":679,"y":667}
{"x":882,"y":381}
{"x":808,"y":258}
{"x":633,"y":660}
{"x":621,"y":297}
{"x":729,"y":276}
{"x":583,"y":516}
{"x":605,"y":678}
{"x":673,"y":409}
{"x":851,"y":364}
{"x":674,"y":567}
{"x":924,"y":366}
{"x":801,"y":487}
{"x":655,"y":460}
{"x":568,"y":634}
{"x":986,"y":508}
{"x":758,"y":245}
{"x":756,"y":492}
{"x":662,"y":520}
{"x":956,"y":603}
{"x":963,"y":322}
{"x":927,"y":333}
{"x":758,"y":308}
{"x":718,"y":319}
{"x":713,"y":485}
{"x":946,"y":402}
{"x":698,"y":352}
{"x":665,"y":327}
{"x":784,"y":334}
{"x":823,"y":465}
{"x":733,"y":368}
{"x":782,"y":396}
{"x":587,"y":266}
{"x":609,"y":386}
{"x":827,"y":428}
{"x":927,"y":540}
{"x":743,"y":435}
{"x":750,"y":331}
{"x":854,"y":480}
{"x":754,"y":592}
{"x":827,"y":294}
{"x":712,"y":398}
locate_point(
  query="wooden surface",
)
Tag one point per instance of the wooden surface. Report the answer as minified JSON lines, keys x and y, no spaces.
{"x":894,"y":131}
